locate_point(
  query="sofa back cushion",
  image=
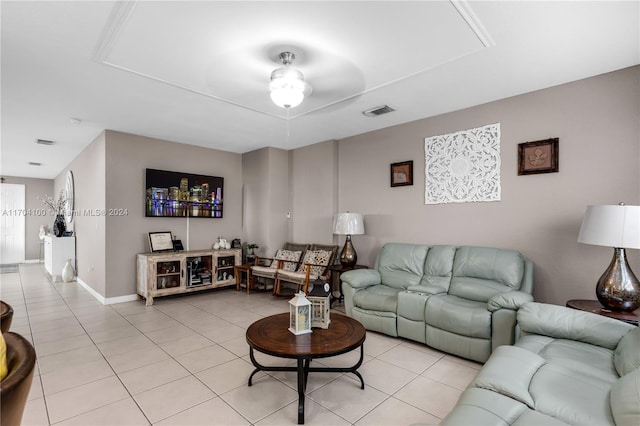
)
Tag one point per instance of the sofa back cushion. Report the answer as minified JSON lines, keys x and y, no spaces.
{"x":482,"y":272}
{"x":626,"y":357}
{"x":438,"y":267}
{"x":401,"y":265}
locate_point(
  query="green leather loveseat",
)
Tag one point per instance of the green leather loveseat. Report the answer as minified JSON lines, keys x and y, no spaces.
{"x":568,"y":367}
{"x":461,"y":300}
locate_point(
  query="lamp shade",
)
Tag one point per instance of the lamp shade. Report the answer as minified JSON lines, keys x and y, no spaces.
{"x":348,"y":224}
{"x":611,"y":226}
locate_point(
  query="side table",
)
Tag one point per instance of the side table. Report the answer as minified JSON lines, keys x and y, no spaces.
{"x":336,"y":271}
{"x":246,"y":268}
{"x":595,"y":307}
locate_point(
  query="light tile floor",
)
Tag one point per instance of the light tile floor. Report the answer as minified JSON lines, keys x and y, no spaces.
{"x":185,"y":361}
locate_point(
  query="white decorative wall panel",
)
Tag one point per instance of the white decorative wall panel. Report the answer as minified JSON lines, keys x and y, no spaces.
{"x":463,"y":167}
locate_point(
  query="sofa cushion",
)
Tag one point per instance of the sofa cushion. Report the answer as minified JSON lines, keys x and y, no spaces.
{"x":377,"y":298}
{"x":438,"y":268}
{"x":626,"y":356}
{"x":482,"y":272}
{"x":579,"y":357}
{"x":460,"y":316}
{"x":625,"y":399}
{"x":573,"y":398}
{"x":401,"y":265}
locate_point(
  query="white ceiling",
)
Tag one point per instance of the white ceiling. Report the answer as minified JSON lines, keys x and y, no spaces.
{"x":198,"y":72}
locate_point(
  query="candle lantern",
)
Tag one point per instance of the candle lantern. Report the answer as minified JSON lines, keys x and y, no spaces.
{"x":299,"y":314}
{"x":320,"y":304}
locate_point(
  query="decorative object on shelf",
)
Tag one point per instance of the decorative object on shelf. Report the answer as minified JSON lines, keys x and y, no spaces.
{"x":67,"y":272}
{"x":69,"y":196}
{"x":402,"y":173}
{"x":616,"y":226}
{"x":58,"y":207}
{"x":320,"y":303}
{"x":42,"y":232}
{"x":348,"y":224}
{"x":463,"y":167}
{"x":299,"y":314}
{"x":221,"y":244}
{"x":538,"y":157}
{"x":287,"y":86}
{"x":252,"y":247}
{"x":160,"y":241}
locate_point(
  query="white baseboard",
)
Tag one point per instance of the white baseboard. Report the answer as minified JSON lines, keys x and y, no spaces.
{"x":32,"y":261}
{"x":105,"y":300}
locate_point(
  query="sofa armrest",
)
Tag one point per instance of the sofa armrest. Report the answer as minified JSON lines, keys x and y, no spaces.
{"x":361,"y":278}
{"x":566,"y":323}
{"x":510,"y":300}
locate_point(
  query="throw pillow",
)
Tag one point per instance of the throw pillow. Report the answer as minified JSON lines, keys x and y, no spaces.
{"x":3,"y":358}
{"x":291,"y":256}
{"x":315,"y":257}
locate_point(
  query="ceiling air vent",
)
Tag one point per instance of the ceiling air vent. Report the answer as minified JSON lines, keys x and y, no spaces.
{"x":33,"y":163}
{"x":44,"y":142}
{"x":378,"y":111}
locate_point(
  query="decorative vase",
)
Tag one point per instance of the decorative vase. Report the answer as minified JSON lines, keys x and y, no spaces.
{"x":59,"y":226}
{"x":67,"y":272}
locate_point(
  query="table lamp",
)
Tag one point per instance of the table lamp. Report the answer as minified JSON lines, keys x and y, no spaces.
{"x":616,"y":226}
{"x":348,"y":224}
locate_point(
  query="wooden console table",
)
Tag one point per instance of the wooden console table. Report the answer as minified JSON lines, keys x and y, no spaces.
{"x":595,"y":307}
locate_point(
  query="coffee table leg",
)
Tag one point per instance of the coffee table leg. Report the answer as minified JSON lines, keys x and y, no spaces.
{"x":302,"y":375}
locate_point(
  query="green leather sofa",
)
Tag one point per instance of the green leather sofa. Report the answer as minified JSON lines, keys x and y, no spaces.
{"x":568,"y":367}
{"x":461,"y":300}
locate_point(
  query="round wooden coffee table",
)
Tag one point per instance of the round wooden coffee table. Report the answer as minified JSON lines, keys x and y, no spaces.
{"x":271,"y":336}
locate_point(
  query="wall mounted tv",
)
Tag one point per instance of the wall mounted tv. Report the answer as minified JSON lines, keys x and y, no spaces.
{"x":175,"y":194}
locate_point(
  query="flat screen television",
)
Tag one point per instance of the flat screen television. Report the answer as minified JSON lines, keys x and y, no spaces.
{"x":176,"y":194}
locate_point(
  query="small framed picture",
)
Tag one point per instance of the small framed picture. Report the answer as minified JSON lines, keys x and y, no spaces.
{"x":538,"y":157}
{"x":160,"y":241}
{"x":402,"y":173}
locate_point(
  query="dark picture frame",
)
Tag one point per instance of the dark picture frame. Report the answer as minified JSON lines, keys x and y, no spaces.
{"x":538,"y":157}
{"x":402,"y":173}
{"x":160,"y":241}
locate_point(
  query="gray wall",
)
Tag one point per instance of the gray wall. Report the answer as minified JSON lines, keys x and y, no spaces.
{"x":265,"y":174}
{"x":89,"y":173}
{"x":597,"y":122}
{"x":34,"y":188}
{"x":127,"y":157}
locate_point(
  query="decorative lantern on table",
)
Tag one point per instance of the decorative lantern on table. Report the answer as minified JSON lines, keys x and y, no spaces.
{"x":299,"y":314}
{"x":320,"y":304}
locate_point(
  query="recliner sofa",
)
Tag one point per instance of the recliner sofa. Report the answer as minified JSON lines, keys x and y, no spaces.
{"x":568,"y":367}
{"x":461,"y":300}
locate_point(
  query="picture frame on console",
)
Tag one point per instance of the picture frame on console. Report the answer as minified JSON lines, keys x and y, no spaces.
{"x":160,"y":241}
{"x":538,"y":157}
{"x":402,"y":173}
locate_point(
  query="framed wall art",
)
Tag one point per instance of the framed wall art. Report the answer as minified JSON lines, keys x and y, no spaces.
{"x":538,"y":157}
{"x":402,"y":173}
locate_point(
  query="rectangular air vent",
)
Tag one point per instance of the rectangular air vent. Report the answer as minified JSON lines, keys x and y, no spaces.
{"x":44,"y":142}
{"x":33,"y":163}
{"x":378,"y":111}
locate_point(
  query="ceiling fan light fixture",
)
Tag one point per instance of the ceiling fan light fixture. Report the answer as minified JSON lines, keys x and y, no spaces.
{"x":287,"y":86}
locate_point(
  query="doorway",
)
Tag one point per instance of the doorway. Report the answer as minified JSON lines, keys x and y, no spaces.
{"x":12,"y":223}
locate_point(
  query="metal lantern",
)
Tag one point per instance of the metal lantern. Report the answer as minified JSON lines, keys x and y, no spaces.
{"x":299,"y":314}
{"x":320,"y":304}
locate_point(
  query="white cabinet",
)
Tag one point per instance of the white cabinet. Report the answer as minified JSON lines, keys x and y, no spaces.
{"x":56,"y":252}
{"x":163,"y":274}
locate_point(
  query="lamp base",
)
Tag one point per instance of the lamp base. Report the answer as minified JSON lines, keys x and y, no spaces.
{"x":618,"y":288}
{"x":348,"y":257}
